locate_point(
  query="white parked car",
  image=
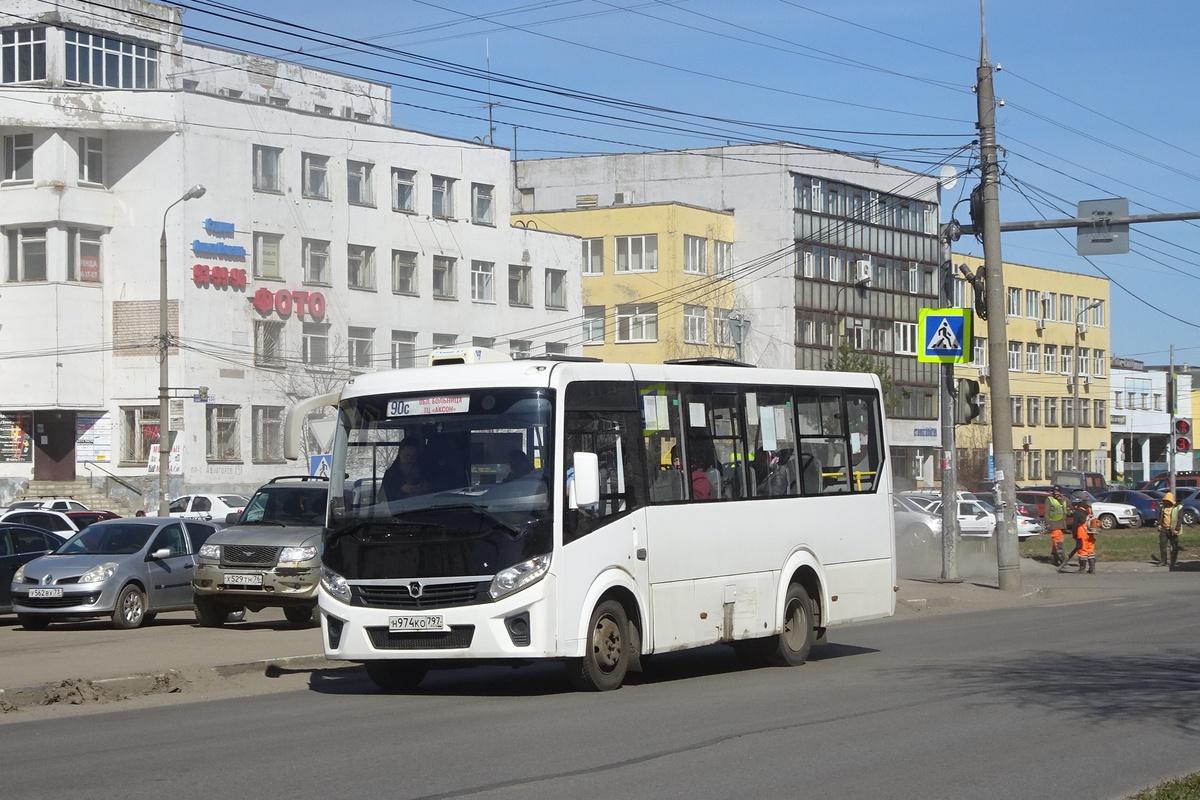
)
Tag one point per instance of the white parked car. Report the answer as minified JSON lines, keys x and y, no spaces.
{"x":53,"y":521}
{"x":207,"y":506}
{"x":1111,"y":515}
{"x":1027,"y":526}
{"x":49,"y":504}
{"x":974,"y":520}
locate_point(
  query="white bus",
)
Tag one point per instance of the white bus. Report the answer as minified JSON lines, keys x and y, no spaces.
{"x":598,"y":513}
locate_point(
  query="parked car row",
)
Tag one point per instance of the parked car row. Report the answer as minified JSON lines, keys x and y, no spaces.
{"x":977,"y":518}
{"x":58,"y":566}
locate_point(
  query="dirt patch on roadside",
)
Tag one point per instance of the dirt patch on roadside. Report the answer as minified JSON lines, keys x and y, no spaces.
{"x":76,"y":692}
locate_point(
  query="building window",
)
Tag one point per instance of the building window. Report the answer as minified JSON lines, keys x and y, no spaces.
{"x":224,"y":442}
{"x":637,"y":253}
{"x":1014,"y":302}
{"x":266,"y":255}
{"x":139,"y":431}
{"x":404,"y":272}
{"x":443,"y":197}
{"x":1050,"y":359}
{"x":266,"y":168}
{"x":487,"y":342}
{"x":695,"y":255}
{"x":637,"y":322}
{"x":482,"y":289}
{"x":27,"y":255}
{"x":404,"y":349}
{"x":1033,"y":357}
{"x":1098,"y":314}
{"x":904,"y":336}
{"x":23,"y":54}
{"x":1051,"y":462}
{"x":519,"y":293}
{"x":1035,"y":465}
{"x":1066,"y":303}
{"x":443,"y":277}
{"x":360,"y":347}
{"x":1118,"y":399}
{"x":481,"y":204}
{"x":1018,"y":410}
{"x":593,"y":324}
{"x":980,"y":355}
{"x":359,"y":190}
{"x":18,"y":157}
{"x":316,"y":261}
{"x":1068,"y":360}
{"x":97,"y":60}
{"x":1014,"y":356}
{"x":593,"y":256}
{"x":722,"y":334}
{"x":316,"y":176}
{"x":360,"y":267}
{"x":1101,"y":418}
{"x":556,"y":288}
{"x":1085,"y":361}
{"x":1100,"y":359}
{"x":1085,"y":412}
{"x":1035,"y":411}
{"x":266,"y":443}
{"x":1052,"y":411}
{"x":519,"y":348}
{"x":723,"y":259}
{"x":556,"y":349}
{"x":268,"y":343}
{"x":444,"y":340}
{"x":315,"y":346}
{"x":91,"y":160}
{"x":1033,"y":303}
{"x":404,"y":185}
{"x":695,"y":324}
{"x":83,"y":255}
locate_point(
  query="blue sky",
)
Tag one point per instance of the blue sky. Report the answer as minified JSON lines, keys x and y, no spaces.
{"x":1098,"y":100}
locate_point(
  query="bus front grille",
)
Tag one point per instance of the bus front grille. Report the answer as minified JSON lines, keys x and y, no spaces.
{"x":457,"y":638}
{"x":431,"y":595}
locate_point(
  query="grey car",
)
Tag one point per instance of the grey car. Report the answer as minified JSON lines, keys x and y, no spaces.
{"x":914,"y":524}
{"x":269,"y":557}
{"x":128,"y":569}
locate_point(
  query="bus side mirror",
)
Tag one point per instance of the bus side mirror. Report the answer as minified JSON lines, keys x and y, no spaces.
{"x":585,"y":486}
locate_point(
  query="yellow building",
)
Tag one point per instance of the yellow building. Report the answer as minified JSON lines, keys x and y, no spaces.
{"x":1058,"y":371}
{"x":658,"y":279}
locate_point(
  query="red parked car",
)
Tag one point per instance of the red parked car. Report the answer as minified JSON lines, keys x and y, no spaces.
{"x":84,"y":518}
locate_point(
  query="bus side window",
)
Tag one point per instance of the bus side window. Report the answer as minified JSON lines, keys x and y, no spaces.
{"x":866,"y":457}
{"x":662,"y":436}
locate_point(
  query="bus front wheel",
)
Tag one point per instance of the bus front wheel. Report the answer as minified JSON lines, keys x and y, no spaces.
{"x":606,"y":661}
{"x":790,"y":648}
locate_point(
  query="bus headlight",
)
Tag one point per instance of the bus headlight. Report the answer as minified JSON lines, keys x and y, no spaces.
{"x":335,"y":584}
{"x":518,"y":576}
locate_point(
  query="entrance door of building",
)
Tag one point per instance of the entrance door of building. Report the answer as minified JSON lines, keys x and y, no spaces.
{"x":54,"y":445}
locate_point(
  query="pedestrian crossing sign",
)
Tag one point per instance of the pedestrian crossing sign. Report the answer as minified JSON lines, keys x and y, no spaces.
{"x":945,"y":335}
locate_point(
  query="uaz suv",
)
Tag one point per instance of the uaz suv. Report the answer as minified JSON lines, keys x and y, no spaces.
{"x":269,"y":557}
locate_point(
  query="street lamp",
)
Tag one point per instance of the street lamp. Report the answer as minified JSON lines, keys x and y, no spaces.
{"x":164,"y":334}
{"x":1075,"y":382}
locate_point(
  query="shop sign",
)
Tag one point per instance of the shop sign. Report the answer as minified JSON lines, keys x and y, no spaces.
{"x":284,"y":301}
{"x":232,"y":277}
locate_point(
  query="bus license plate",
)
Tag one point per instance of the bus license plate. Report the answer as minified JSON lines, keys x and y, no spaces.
{"x":243,"y":579}
{"x":423,"y":622}
{"x":52,"y":592}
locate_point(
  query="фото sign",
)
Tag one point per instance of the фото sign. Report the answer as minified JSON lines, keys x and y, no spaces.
{"x":284,"y":301}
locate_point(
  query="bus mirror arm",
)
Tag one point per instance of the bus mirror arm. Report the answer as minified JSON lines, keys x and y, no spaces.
{"x":293,"y":421}
{"x":585,"y":488}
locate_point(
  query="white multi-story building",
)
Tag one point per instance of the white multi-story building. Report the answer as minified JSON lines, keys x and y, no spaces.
{"x":830,"y":251}
{"x":1141,"y":419}
{"x":327,"y":242}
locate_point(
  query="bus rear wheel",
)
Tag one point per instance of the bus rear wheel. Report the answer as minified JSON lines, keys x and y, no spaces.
{"x":606,"y":662}
{"x":791,"y":647}
{"x":396,"y":677}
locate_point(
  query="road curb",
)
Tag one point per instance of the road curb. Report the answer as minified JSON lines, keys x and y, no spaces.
{"x":84,"y":691}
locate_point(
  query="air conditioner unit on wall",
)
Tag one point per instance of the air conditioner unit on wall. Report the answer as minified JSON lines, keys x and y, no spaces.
{"x":1027,"y":440}
{"x":984,"y":371}
{"x":862,"y":271}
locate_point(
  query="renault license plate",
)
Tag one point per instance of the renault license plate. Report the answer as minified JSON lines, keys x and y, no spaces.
{"x":55,"y":591}
{"x":417,"y":622}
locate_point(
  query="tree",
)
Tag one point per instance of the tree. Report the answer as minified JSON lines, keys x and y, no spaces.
{"x":847,"y":359}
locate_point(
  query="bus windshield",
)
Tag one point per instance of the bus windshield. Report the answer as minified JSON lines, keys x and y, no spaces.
{"x":482,"y":449}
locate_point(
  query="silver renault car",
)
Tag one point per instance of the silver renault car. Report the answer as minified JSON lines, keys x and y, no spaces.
{"x":129,"y":569}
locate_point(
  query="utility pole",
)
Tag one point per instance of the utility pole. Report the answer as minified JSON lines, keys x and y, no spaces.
{"x":946,"y":234}
{"x":1007,"y":554}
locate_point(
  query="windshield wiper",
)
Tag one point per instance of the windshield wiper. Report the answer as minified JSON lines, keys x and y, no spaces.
{"x":483,"y":512}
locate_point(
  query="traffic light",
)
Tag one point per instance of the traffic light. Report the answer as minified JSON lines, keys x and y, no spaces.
{"x":1183,"y":435}
{"x":966,"y":401}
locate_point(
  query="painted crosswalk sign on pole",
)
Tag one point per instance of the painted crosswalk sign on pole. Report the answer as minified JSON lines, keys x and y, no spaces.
{"x":945,"y":335}
{"x":320,"y":465}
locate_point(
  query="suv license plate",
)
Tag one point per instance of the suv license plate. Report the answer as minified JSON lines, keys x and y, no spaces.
{"x":53,"y":592}
{"x":243,"y":579}
{"x":424,"y":622}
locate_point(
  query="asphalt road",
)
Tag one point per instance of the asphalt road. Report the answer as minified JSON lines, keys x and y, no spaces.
{"x":1065,"y":690}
